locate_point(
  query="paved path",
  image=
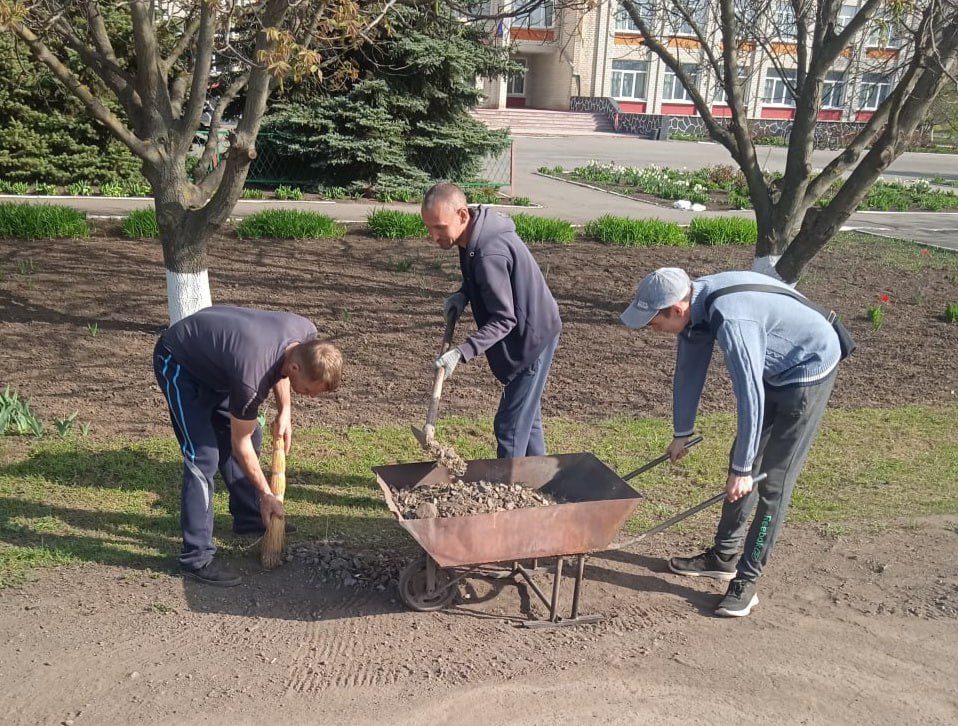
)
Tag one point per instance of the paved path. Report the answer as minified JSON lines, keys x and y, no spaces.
{"x":580,"y":205}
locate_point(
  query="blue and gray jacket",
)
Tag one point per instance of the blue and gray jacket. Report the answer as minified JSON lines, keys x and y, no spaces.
{"x":768,"y":340}
{"x":511,"y":302}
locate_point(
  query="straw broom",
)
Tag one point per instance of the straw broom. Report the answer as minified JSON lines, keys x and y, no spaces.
{"x":271,"y":554}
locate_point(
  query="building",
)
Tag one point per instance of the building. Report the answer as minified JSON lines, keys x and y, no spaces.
{"x":572,"y":55}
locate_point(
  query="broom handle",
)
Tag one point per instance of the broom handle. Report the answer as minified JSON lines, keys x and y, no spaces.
{"x":277,"y":483}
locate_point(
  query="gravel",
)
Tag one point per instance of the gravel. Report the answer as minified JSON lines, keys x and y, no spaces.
{"x":339,"y":566}
{"x":462,"y":499}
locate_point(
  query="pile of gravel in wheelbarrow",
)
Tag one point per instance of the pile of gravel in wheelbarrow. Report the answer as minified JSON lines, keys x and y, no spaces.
{"x":462,"y":499}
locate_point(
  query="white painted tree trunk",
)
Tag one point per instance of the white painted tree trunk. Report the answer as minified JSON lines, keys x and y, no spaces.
{"x":187,"y":292}
{"x":766,"y":265}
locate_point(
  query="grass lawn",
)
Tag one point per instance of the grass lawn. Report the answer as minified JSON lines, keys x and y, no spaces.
{"x":72,"y":501}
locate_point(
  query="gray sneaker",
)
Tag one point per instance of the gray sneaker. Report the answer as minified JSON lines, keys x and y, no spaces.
{"x":707,"y":564}
{"x":212,"y":573}
{"x":739,"y":599}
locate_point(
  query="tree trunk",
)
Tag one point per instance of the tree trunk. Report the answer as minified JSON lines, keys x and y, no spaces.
{"x":184,"y":235}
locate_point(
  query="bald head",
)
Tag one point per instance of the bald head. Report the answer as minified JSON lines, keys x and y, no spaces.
{"x":446,"y":215}
{"x":444,"y":193}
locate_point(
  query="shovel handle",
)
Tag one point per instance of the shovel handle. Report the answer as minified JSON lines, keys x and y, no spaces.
{"x":658,"y":460}
{"x":432,"y":413}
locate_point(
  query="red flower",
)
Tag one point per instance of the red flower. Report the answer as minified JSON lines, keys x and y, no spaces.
{"x":923,"y":252}
{"x":884,"y":298}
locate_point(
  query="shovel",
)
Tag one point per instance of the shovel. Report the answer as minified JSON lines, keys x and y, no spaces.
{"x":427,"y":434}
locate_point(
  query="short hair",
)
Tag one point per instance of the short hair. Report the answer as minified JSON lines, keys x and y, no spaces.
{"x":444,"y":193}
{"x":320,"y":361}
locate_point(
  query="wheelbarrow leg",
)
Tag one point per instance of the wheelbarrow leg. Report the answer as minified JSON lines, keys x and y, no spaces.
{"x":580,"y":571}
{"x":553,"y":610}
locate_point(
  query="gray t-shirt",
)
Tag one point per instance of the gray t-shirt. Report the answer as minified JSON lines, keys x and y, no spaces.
{"x":236,"y":351}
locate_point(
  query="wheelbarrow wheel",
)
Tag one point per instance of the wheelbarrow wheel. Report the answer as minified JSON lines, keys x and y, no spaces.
{"x":414,"y":591}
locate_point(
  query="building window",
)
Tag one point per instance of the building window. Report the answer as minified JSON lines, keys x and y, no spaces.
{"x":846,"y":13}
{"x":883,"y":33}
{"x":630,"y":80}
{"x":540,"y":17}
{"x":516,"y":85}
{"x":720,"y":95}
{"x":472,"y":9}
{"x":778,"y":89}
{"x":833,"y":89}
{"x":784,"y":26}
{"x":672,"y":88}
{"x":873,"y":90}
{"x":624,"y":22}
{"x":698,"y":9}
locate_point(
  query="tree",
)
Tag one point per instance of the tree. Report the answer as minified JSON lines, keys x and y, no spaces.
{"x":162,"y":78}
{"x":47,"y":137}
{"x":403,"y":122}
{"x":804,"y":40}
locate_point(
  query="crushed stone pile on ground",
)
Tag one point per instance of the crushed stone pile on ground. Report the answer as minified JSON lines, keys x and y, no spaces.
{"x":461,"y":499}
{"x":337,"y":566}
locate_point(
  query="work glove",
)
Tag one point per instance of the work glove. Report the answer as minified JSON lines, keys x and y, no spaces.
{"x":455,"y":303}
{"x":448,"y":361}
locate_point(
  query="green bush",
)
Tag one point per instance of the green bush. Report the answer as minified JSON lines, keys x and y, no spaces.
{"x":140,"y":224}
{"x":635,"y":232}
{"x":723,"y":231}
{"x":253,"y":194}
{"x":390,"y":224}
{"x":543,"y":229}
{"x":521,"y":202}
{"x":289,"y":194}
{"x":44,"y":189}
{"x":137,"y":188}
{"x":483,"y":195}
{"x":289,"y":224}
{"x":951,"y":313}
{"x":47,"y":134}
{"x":80,"y":189}
{"x":333,"y":193}
{"x":41,"y":221}
{"x":111,"y":189}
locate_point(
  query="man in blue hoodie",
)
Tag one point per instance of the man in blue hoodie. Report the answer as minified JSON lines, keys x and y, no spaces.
{"x":782,"y":357}
{"x":516,"y":315}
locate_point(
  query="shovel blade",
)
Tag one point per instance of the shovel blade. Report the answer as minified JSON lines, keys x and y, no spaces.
{"x":421,"y":437}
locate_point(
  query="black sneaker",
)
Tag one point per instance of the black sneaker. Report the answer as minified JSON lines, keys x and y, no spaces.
{"x":212,"y":573}
{"x":707,"y":564}
{"x":739,"y":599}
{"x":290,"y":529}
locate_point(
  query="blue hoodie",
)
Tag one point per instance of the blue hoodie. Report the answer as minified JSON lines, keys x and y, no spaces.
{"x":767,"y":340}
{"x":511,"y":302}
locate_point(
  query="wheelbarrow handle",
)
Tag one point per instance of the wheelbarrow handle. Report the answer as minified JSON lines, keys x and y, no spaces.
{"x":655,"y":462}
{"x":679,"y":517}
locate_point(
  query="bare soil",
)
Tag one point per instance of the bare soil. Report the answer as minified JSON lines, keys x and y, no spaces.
{"x":854,"y":629}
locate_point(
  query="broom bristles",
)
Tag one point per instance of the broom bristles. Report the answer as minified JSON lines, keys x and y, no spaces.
{"x":273,"y":541}
{"x":271,"y":554}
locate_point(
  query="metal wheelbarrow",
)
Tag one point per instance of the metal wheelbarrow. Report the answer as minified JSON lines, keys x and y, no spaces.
{"x":594,"y":504}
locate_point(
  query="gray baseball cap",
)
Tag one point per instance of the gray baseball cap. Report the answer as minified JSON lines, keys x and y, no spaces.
{"x":660,"y":289}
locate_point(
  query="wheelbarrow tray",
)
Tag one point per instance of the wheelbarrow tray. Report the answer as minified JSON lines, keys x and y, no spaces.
{"x":594,"y":505}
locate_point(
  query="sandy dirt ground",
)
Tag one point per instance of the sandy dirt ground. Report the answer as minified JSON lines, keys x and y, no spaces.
{"x":851,"y":630}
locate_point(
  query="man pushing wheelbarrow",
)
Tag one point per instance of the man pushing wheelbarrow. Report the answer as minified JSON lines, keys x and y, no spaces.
{"x":782,"y":354}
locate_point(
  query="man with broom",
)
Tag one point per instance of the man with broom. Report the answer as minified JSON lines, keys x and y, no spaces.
{"x":215,"y":368}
